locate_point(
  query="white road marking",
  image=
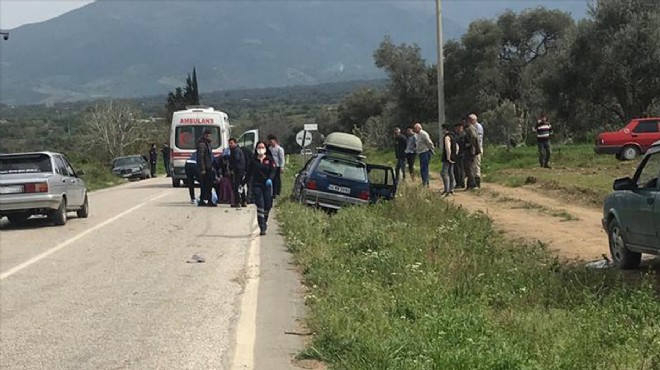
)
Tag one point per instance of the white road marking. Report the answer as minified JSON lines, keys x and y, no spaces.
{"x":65,"y":243}
{"x":246,"y":329}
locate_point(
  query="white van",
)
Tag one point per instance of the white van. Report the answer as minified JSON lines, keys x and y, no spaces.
{"x":187,"y":127}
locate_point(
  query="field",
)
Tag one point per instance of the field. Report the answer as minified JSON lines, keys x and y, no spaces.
{"x":419,"y":283}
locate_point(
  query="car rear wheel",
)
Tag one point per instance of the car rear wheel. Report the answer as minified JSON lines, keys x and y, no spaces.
{"x":622,"y":257}
{"x":59,"y":216}
{"x":83,"y":212}
{"x":629,"y":152}
{"x":18,"y":218}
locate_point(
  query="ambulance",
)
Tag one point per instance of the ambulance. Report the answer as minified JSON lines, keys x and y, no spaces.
{"x":187,"y":127}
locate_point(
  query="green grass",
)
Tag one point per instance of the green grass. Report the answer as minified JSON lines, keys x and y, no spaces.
{"x":417,"y":283}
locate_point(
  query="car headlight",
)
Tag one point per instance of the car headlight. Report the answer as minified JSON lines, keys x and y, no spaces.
{"x":136,"y":169}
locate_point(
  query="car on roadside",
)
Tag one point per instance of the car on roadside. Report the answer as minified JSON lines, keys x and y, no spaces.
{"x":631,"y":213}
{"x":338,"y":176}
{"x":631,"y":141}
{"x":131,"y":167}
{"x":40,"y":183}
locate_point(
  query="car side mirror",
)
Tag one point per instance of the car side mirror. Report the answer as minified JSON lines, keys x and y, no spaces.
{"x":625,"y":183}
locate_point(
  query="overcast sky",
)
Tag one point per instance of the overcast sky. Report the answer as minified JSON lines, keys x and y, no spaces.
{"x":14,"y":13}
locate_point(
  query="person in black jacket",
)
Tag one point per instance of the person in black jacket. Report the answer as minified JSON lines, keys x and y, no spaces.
{"x":449,"y":152}
{"x":166,"y":158}
{"x":153,"y":159}
{"x":261,"y":172}
{"x":236,"y":160}
{"x":459,"y":166}
{"x":400,"y":145}
{"x":205,"y":165}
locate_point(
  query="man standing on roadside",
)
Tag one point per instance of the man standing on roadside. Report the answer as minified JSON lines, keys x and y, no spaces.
{"x":472,"y":151}
{"x":166,"y":158}
{"x":400,"y":146}
{"x":237,"y":171}
{"x":153,"y":159}
{"x":205,"y":166}
{"x":480,"y":138}
{"x":424,"y":150}
{"x":277,"y":152}
{"x":543,"y":131}
{"x":459,"y":166}
{"x":411,"y":151}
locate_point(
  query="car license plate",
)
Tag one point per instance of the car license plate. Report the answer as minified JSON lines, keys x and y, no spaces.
{"x":339,"y":189}
{"x":11,"y":189}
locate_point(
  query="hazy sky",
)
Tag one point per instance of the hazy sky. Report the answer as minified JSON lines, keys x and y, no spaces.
{"x":14,"y":13}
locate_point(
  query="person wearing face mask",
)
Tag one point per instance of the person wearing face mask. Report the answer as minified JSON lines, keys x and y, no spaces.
{"x":261,"y":172}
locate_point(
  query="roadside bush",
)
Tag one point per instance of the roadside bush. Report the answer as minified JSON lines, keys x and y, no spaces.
{"x":417,"y":283}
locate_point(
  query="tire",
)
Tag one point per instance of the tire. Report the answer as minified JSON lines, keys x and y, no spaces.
{"x":83,"y":212}
{"x":18,"y":218}
{"x":622,"y":257}
{"x":629,"y":152}
{"x":176,"y":183}
{"x":59,"y":216}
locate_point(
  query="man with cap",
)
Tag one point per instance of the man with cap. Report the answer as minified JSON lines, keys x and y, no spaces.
{"x":205,"y":165}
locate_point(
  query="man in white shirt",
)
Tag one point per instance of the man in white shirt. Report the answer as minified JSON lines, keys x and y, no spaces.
{"x":424,"y":150}
{"x":477,"y":159}
{"x":277,"y":152}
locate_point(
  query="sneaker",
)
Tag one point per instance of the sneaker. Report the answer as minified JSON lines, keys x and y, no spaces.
{"x":235,"y":206}
{"x":243,"y":204}
{"x":211,"y":204}
{"x":192,"y":201}
{"x":262,"y":232}
{"x":201,"y":204}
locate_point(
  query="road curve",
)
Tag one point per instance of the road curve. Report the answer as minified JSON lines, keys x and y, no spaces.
{"x":114,"y":291}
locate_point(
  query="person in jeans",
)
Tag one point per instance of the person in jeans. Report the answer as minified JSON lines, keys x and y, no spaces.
{"x":411,"y":151}
{"x":400,"y":145}
{"x":480,"y":139}
{"x":543,"y":131}
{"x":424,"y":150}
{"x":459,"y":166}
{"x":277,"y":152}
{"x":449,"y":152}
{"x":261,"y":172}
{"x":192,"y":174}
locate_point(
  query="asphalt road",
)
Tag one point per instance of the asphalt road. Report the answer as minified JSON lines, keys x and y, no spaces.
{"x":115,"y":291}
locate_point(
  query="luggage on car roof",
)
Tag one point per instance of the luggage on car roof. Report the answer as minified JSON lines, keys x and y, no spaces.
{"x":343,"y":142}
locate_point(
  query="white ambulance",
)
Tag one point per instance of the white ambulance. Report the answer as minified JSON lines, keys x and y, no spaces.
{"x":187,"y":127}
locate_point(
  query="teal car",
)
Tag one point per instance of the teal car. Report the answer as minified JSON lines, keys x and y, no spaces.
{"x":631,"y":213}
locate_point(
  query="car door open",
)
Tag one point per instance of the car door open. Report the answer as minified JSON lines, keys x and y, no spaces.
{"x":382,"y":182}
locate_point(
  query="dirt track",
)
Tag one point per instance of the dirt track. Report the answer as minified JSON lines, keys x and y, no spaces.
{"x":573,"y":232}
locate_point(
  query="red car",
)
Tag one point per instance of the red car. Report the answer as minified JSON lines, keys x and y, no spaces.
{"x":631,"y":141}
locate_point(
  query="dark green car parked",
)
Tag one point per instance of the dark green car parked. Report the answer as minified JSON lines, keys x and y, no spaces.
{"x":632,"y":213}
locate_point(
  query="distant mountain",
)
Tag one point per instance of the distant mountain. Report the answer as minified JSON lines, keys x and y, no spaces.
{"x":114,"y":48}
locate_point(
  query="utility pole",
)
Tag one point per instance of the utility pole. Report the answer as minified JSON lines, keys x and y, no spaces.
{"x":440,"y":66}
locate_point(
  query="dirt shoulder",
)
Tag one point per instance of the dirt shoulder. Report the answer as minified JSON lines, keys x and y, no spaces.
{"x":571,"y":231}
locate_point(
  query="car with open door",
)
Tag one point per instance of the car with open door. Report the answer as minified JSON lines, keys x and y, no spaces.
{"x":337,"y":176}
{"x":41,"y":183}
{"x":631,"y":213}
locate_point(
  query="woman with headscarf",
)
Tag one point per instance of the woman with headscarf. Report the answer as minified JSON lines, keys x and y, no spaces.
{"x":261,"y":172}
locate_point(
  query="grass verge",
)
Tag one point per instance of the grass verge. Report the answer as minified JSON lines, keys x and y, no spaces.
{"x":417,"y":283}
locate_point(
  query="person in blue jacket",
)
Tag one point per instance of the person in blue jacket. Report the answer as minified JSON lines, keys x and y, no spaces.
{"x":261,"y":172}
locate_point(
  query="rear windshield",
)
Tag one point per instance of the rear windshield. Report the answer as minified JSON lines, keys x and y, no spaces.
{"x":342,"y":168}
{"x":127,"y":161}
{"x":185,"y":137}
{"x":30,"y":163}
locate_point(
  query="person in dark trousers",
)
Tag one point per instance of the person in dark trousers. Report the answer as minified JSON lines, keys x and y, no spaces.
{"x":411,"y":151}
{"x":459,"y":166}
{"x":236,"y":160}
{"x":400,"y":145}
{"x":449,"y":152}
{"x":277,"y":152}
{"x":472,"y":151}
{"x":543,"y":131}
{"x":205,"y":166}
{"x":153,"y":159}
{"x":165,"y":151}
{"x":261,"y":172}
{"x":192,"y":174}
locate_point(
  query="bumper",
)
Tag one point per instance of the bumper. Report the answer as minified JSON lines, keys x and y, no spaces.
{"x":35,"y":203}
{"x":329,"y":200}
{"x":605,"y":149}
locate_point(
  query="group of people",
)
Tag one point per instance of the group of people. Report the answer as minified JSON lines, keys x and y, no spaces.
{"x":462,"y":149}
{"x":238,"y":177}
{"x":153,"y":159}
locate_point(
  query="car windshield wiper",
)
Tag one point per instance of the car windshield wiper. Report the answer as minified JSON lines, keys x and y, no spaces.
{"x":333,"y":173}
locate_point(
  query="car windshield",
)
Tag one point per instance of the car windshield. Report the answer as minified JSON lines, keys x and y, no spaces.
{"x":186,"y":136}
{"x":28,"y":163}
{"x":128,"y":161}
{"x":343,"y":168}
